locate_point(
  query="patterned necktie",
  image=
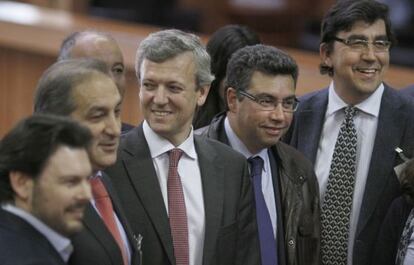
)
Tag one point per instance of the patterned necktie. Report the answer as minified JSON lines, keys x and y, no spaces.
{"x":177,"y":211}
{"x":264,"y":223}
{"x":336,"y":209}
{"x":104,"y":205}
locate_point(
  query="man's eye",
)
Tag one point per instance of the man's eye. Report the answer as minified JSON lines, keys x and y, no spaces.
{"x":118,"y":70}
{"x":148,"y":86}
{"x":266,"y":101}
{"x":358,"y":43}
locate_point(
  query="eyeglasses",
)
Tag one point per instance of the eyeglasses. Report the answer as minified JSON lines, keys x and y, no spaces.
{"x":361,"y":45}
{"x":269,"y":103}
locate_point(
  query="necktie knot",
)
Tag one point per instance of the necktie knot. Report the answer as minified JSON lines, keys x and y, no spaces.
{"x":175,"y":155}
{"x":350,"y":113}
{"x":256,"y":165}
{"x":98,"y":189}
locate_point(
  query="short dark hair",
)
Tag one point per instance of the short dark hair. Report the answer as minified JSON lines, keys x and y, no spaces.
{"x":54,"y":90}
{"x":29,"y":145}
{"x":343,"y":15}
{"x":69,"y":42}
{"x":262,"y":58}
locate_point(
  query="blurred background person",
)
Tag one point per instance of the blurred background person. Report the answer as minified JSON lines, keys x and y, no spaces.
{"x":221,"y":45}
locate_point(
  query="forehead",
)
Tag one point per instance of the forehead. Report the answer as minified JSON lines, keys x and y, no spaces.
{"x":279,"y":86}
{"x":180,"y":68}
{"x":98,"y":90}
{"x":366,"y":29}
{"x":67,"y":161}
{"x":96,"y":46}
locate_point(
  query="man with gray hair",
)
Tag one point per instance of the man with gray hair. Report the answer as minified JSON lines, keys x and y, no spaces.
{"x":83,"y":90}
{"x":191,"y":197}
{"x":261,"y":100}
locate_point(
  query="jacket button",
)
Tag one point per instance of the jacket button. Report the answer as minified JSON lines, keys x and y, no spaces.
{"x":291,"y":243}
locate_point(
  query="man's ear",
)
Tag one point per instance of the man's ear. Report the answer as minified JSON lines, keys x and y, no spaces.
{"x":231,"y":96}
{"x":22,"y":185}
{"x":325,"y":54}
{"x":203,"y":93}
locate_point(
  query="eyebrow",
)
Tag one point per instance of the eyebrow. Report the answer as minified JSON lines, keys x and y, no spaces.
{"x":363,"y":37}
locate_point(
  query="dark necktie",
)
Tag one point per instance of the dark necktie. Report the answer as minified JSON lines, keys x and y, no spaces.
{"x":336,"y":209}
{"x":104,"y":205}
{"x":264,"y":223}
{"x":176,"y":210}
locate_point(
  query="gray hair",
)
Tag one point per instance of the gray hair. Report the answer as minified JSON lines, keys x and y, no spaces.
{"x":70,"y":41}
{"x":163,"y":45}
{"x":263,"y":58}
{"x":54,"y":90}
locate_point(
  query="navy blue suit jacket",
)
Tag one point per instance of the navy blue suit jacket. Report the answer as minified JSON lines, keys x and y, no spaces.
{"x":22,"y":244}
{"x":395,"y":128}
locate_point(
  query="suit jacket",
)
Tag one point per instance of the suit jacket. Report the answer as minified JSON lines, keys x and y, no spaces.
{"x":22,"y":244}
{"x":296,"y":195}
{"x":391,"y":230}
{"x":395,"y":128}
{"x":95,"y":244}
{"x":408,"y":91}
{"x":230,"y":225}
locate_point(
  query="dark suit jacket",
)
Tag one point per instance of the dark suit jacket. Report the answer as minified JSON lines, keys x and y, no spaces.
{"x":391,"y":230}
{"x":94,"y":244}
{"x":125,"y":127}
{"x":395,"y":128}
{"x":296,"y":195}
{"x":22,"y":244}
{"x":230,"y":226}
{"x":408,"y":91}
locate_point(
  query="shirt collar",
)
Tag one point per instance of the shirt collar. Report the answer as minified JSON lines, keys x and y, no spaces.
{"x":60,"y":243}
{"x":370,"y":106}
{"x":238,"y":145}
{"x":159,"y":145}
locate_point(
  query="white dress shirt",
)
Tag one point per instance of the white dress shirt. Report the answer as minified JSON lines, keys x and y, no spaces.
{"x":190,"y":176}
{"x":267,"y":180}
{"x":121,"y":229}
{"x":366,"y":121}
{"x":62,"y":244}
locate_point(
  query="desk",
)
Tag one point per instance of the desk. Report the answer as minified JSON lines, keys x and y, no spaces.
{"x":30,"y":39}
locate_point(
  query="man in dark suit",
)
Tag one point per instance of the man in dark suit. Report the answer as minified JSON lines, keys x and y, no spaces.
{"x":408,"y":91}
{"x":260,"y":110}
{"x":83,"y":90}
{"x":44,"y":189}
{"x":351,"y":129}
{"x":190,"y":198}
{"x":101,"y":46}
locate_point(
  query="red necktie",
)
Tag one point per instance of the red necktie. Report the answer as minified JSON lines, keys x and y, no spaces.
{"x":176,"y":210}
{"x":104,"y":205}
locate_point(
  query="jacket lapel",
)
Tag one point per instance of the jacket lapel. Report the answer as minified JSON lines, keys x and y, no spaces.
{"x":391,"y":122}
{"x":95,"y":225}
{"x":212,"y":181}
{"x":143,"y":177}
{"x":310,"y":117}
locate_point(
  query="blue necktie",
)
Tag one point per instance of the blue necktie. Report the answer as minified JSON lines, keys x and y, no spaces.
{"x":266,"y":235}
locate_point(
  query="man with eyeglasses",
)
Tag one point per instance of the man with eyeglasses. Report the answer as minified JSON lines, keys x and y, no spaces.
{"x":350,"y":130}
{"x":261,"y":100}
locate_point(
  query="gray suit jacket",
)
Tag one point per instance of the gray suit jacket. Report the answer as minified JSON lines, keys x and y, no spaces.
{"x":95,"y":244}
{"x":231,"y":228}
{"x":395,"y":128}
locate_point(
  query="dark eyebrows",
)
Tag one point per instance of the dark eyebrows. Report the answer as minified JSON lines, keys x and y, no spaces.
{"x":363,"y":37}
